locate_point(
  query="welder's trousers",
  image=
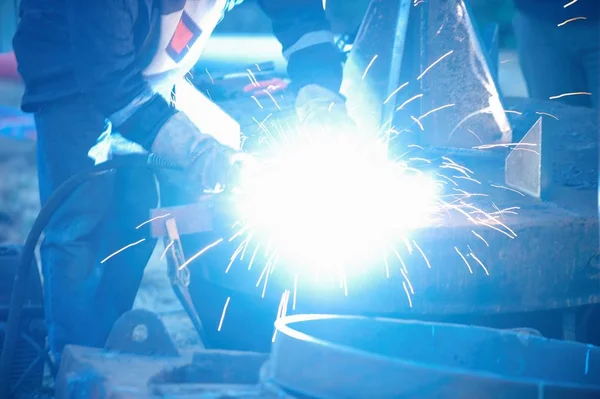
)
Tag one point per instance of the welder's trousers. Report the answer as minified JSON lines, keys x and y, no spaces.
{"x":85,"y":289}
{"x":84,"y":294}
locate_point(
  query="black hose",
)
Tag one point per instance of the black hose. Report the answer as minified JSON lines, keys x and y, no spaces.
{"x":19,"y":290}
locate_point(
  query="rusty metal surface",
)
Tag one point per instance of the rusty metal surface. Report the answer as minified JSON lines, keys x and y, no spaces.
{"x":409,"y":59}
{"x":462,"y":78}
{"x":378,"y":61}
{"x":387,"y":358}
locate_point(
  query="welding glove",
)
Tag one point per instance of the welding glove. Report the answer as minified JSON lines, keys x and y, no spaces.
{"x":205,"y":163}
{"x":204,"y":160}
{"x":319,"y":108}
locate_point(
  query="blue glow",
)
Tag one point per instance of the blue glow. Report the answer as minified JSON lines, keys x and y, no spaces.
{"x":331,"y":203}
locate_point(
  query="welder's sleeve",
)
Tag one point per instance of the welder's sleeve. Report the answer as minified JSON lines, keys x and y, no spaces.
{"x":308,"y":43}
{"x":104,"y":55}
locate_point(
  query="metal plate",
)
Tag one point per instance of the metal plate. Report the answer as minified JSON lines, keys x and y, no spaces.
{"x":361,"y":357}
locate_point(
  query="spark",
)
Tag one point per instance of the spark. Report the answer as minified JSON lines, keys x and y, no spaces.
{"x":481,"y":238}
{"x":527,"y":150}
{"x":575,"y":93}
{"x":392,"y":94}
{"x":369,"y":66}
{"x":451,"y":162}
{"x":434,"y":63}
{"x":412,"y":291}
{"x":200,"y":253}
{"x":508,"y":189}
{"x":123,"y":249}
{"x":256,"y":101}
{"x":503,"y":145}
{"x":456,"y":168}
{"x":464,"y":259}
{"x":418,"y":122}
{"x":272,"y":99}
{"x":387,"y":267}
{"x":422,"y":254}
{"x":281,"y":310}
{"x":237,"y":233}
{"x":407,"y":294}
{"x":252,"y":78}
{"x":420,"y":159}
{"x":475,"y":134}
{"x":264,"y":290}
{"x":408,"y":246}
{"x":209,"y":76}
{"x":510,"y":234}
{"x":478,"y":261}
{"x":435,"y":110}
{"x":570,"y":3}
{"x":547,"y":114}
{"x":237,"y":251}
{"x":409,"y":101}
{"x":223,"y":313}
{"x":512,"y":111}
{"x":295,"y":291}
{"x":152,"y":220}
{"x":164,"y":253}
{"x":400,"y":259}
{"x":571,"y":20}
{"x":447,"y":178}
{"x":253,"y":257}
{"x":467,"y":178}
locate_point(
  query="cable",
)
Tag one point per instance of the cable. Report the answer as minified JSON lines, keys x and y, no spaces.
{"x":19,"y":290}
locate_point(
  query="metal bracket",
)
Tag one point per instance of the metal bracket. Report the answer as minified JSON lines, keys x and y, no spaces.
{"x":141,"y":332}
{"x":528,"y":167}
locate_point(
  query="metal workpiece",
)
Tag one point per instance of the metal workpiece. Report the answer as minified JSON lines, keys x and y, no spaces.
{"x":549,"y":261}
{"x":378,"y":62}
{"x":455,"y":75}
{"x":324,"y":356}
{"x":569,"y":136}
{"x":432,"y":79}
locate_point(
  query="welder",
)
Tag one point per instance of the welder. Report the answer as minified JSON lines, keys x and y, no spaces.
{"x":559,"y":49}
{"x":99,"y":68}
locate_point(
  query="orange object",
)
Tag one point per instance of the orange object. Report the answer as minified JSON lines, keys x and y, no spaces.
{"x":266,"y":87}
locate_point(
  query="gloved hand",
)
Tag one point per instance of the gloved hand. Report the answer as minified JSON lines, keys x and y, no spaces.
{"x":320,"y":109}
{"x":202,"y":157}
